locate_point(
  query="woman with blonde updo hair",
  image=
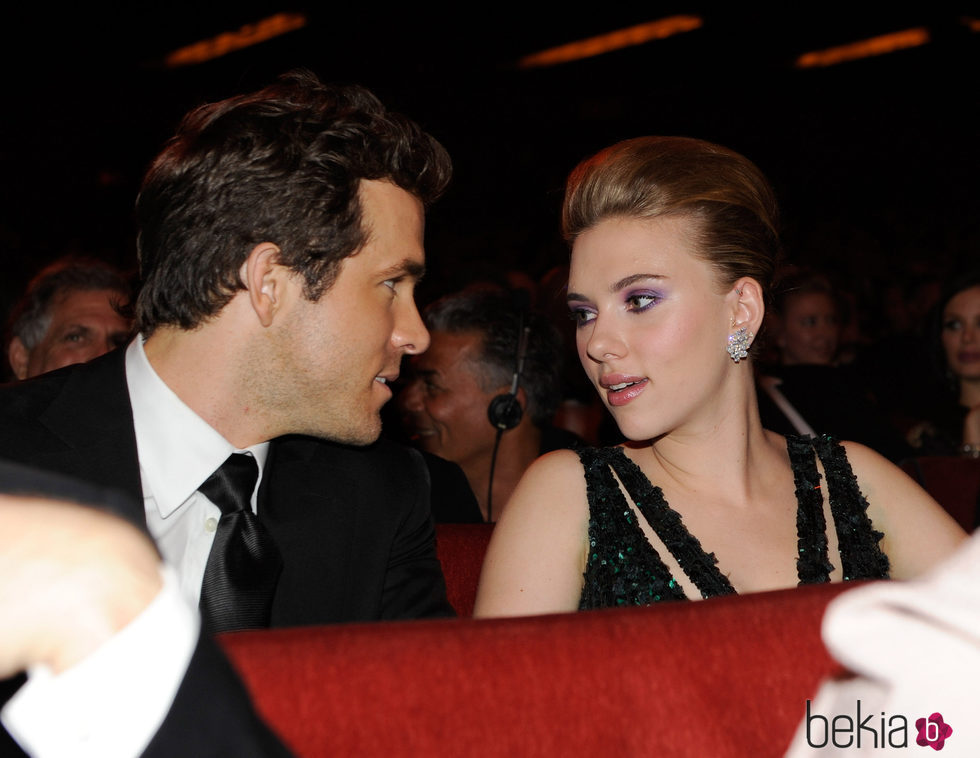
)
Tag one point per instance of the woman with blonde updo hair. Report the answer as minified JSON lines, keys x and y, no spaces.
{"x":674,"y":244}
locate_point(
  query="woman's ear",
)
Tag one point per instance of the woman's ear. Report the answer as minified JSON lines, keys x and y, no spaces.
{"x":265,"y":280}
{"x":748,"y":304}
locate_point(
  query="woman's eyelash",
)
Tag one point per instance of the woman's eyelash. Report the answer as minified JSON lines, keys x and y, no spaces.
{"x":641,"y":301}
{"x":581,"y":315}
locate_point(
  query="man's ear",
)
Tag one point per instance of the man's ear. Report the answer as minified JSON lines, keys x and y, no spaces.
{"x":19,"y":356}
{"x":265,"y":281}
{"x":748,"y":304}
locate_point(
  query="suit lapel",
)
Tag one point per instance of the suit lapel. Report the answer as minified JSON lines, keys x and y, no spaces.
{"x":93,"y":417}
{"x":302,"y":502}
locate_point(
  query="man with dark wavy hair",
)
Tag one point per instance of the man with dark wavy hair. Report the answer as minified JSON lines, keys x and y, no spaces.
{"x":280,"y":241}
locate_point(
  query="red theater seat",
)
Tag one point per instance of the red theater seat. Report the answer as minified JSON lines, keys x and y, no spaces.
{"x":952,"y":480}
{"x":461,"y":548}
{"x":725,"y":678}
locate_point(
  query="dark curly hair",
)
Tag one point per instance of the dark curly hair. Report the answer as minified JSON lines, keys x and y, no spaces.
{"x":280,"y":165}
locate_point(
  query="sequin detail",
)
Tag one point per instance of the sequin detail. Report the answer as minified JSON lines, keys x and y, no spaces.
{"x":860,"y":551}
{"x":623,"y":568}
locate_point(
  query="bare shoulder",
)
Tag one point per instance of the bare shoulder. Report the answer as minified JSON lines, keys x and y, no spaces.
{"x":536,"y":556}
{"x":870,"y":466}
{"x":918,"y":531}
{"x":557,"y":461}
{"x":883,"y":483}
{"x":561,"y":468}
{"x":552,"y":487}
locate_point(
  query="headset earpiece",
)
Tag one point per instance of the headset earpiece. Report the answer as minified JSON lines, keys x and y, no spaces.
{"x":505,"y":411}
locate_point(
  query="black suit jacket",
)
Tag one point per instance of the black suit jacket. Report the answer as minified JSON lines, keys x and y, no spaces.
{"x":210,"y":692}
{"x":353,"y":523}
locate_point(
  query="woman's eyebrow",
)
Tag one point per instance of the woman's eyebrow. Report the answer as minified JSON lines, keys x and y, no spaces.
{"x":617,"y":286}
{"x":632,"y":279}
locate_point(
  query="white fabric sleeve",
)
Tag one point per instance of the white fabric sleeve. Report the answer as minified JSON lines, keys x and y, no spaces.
{"x":914,"y":650}
{"x":110,"y":704}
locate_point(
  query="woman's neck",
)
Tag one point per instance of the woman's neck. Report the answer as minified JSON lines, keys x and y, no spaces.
{"x":728,"y":457}
{"x":970,"y":392}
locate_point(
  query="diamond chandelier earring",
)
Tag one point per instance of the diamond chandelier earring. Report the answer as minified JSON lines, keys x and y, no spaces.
{"x":738,"y":344}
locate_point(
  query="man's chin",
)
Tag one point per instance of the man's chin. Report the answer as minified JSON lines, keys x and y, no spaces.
{"x":351,"y":434}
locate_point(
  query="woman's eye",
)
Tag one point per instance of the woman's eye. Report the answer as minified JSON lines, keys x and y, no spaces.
{"x":581,"y":316}
{"x":641,"y":301}
{"x":951,"y":325}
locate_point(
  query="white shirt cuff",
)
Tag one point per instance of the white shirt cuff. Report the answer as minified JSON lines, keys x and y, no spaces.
{"x":110,"y":704}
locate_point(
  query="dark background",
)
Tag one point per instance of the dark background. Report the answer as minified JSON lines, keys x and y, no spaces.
{"x":875,"y":161}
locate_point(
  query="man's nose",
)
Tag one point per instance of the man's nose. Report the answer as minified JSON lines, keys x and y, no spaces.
{"x":410,"y":333}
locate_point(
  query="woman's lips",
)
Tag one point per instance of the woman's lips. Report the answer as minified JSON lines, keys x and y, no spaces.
{"x":968,"y":356}
{"x":625,"y":391}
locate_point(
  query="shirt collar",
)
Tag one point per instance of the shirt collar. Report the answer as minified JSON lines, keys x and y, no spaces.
{"x":177,"y":449}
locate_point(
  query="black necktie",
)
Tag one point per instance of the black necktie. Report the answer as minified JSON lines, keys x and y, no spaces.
{"x":244,"y":564}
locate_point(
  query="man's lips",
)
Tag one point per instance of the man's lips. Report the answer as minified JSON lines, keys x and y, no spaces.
{"x":387,"y":378}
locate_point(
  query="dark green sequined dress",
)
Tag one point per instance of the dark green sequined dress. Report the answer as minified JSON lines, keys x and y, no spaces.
{"x":623,"y":568}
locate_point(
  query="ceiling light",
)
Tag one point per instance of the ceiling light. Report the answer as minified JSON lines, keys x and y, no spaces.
{"x":886,"y":43}
{"x":604,"y":43}
{"x":250,"y":34}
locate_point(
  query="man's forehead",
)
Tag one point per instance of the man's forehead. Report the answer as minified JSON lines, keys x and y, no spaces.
{"x":450,"y":349}
{"x":88,"y":297}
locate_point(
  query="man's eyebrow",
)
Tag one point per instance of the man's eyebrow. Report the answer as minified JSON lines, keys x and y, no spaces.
{"x":618,"y":286}
{"x":407,"y":267}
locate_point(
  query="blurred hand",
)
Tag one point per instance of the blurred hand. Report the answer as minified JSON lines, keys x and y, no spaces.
{"x":70,"y":577}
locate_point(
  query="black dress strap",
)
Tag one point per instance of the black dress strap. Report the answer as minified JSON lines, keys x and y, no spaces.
{"x":858,"y":540}
{"x":622,"y":567}
{"x":701,"y":567}
{"x":812,"y":563}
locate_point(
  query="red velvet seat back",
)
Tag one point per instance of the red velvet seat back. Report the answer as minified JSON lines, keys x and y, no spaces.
{"x":953,"y":481}
{"x":721,"y":678}
{"x":461,"y":548}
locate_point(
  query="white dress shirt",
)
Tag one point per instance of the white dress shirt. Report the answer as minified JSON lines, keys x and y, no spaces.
{"x":178,"y":450}
{"x":111,"y":704}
